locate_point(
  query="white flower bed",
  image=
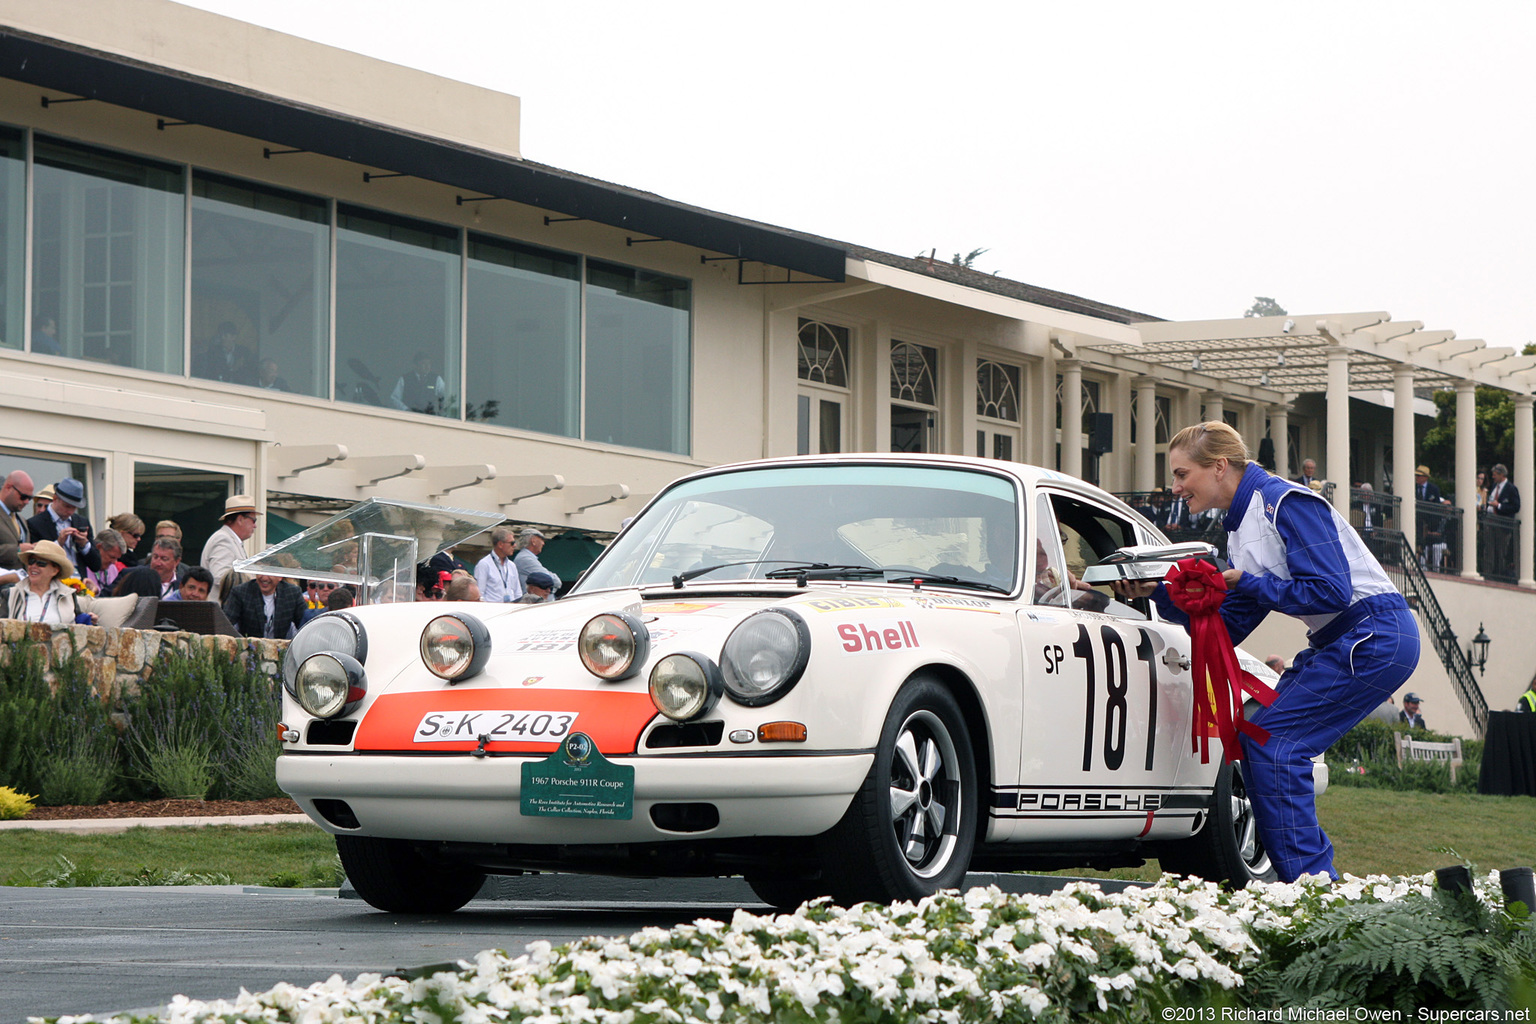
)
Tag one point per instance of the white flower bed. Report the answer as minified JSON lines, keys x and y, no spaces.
{"x":979,"y":956}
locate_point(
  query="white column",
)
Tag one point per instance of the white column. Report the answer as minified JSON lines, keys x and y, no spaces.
{"x":1336,"y":444}
{"x":1071,"y":371}
{"x":1213,"y":406}
{"x":1280,"y":433}
{"x":1466,"y":474}
{"x":1146,"y":433}
{"x":1403,"y":456}
{"x":1524,"y":475}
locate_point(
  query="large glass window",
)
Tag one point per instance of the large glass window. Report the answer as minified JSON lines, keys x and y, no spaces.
{"x":397,"y":312}
{"x":823,"y":397}
{"x":108,"y":240}
{"x":524,"y":358}
{"x":260,"y":286}
{"x":915,"y":394}
{"x":13,"y":240}
{"x":637,"y":358}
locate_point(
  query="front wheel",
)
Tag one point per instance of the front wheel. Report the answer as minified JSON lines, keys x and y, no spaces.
{"x":391,"y":876}
{"x":911,"y":827}
{"x":1228,"y":848}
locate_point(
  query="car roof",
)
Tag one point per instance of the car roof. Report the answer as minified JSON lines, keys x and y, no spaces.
{"x":1028,"y":475}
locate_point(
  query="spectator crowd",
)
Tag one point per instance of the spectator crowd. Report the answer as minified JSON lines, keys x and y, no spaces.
{"x":54,"y":566}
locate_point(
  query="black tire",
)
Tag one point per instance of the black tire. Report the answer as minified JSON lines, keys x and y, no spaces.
{"x":911,"y":827}
{"x":785,"y":893}
{"x":1227,"y":849}
{"x":391,"y":876}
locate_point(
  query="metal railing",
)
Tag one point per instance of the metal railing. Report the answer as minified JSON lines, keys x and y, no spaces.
{"x":1498,"y":542}
{"x":1439,"y":541}
{"x":1169,"y":515}
{"x":1402,"y":565}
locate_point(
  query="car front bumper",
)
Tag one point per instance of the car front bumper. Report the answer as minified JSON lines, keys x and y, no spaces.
{"x":478,"y":800}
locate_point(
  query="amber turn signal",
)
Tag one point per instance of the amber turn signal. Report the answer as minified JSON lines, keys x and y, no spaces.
{"x":781,"y":732}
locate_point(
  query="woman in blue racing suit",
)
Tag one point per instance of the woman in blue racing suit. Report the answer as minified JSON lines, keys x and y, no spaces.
{"x":1292,"y":552}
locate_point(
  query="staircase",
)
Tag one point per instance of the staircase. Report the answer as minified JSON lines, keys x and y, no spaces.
{"x":1402,"y":565}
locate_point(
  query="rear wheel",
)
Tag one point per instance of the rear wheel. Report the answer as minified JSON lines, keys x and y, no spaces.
{"x":1228,"y":848}
{"x":912,"y":825}
{"x":391,"y":876}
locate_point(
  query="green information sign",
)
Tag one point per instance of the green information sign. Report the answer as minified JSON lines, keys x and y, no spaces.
{"x":577,"y":781}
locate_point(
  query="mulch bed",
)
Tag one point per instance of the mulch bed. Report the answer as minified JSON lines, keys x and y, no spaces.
{"x":164,"y":809}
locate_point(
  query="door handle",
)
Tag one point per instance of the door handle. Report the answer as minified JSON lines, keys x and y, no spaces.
{"x":1174,"y":661}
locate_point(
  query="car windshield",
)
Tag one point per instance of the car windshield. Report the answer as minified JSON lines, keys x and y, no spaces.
{"x":856,"y":522}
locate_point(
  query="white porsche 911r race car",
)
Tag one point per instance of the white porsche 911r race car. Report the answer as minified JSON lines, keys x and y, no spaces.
{"x":854,"y":675}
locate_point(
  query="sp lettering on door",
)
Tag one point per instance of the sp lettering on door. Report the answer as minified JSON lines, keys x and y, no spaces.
{"x":859,"y":638}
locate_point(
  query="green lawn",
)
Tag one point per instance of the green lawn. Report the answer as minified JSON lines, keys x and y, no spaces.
{"x":1403,"y":832}
{"x":284,"y":855}
{"x":1374,"y":831}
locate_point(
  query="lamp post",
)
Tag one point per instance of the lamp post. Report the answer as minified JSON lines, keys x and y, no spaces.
{"x":1477,"y":654}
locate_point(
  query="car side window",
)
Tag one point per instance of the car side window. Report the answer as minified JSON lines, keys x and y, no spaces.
{"x":1089,"y":532}
{"x":1050,"y":585}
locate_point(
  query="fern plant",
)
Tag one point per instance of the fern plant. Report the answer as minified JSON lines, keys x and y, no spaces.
{"x":1445,"y":950}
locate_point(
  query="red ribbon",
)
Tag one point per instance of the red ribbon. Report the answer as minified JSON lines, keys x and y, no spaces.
{"x":1197,"y":588}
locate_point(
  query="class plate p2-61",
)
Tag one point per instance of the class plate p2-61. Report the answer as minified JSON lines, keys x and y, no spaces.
{"x":512,"y":726}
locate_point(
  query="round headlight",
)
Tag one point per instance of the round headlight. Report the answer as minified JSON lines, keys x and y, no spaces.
{"x":685,"y":685}
{"x":613,"y":645}
{"x":765,"y":656}
{"x":333,"y":632}
{"x":327,"y":685}
{"x":455,"y":646}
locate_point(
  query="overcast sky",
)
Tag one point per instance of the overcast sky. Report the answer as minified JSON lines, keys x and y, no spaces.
{"x":1173,"y":158}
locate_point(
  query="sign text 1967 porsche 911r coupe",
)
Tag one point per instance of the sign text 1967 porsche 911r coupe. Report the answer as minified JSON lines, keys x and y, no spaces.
{"x":850,"y":675}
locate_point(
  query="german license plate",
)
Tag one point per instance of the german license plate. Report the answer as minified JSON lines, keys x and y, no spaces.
{"x":516,"y":726}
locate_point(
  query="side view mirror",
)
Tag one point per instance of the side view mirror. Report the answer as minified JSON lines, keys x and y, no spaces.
{"x":1149,"y":561}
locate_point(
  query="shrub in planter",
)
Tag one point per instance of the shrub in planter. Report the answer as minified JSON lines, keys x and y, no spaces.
{"x":251,"y":773}
{"x":37,"y":721}
{"x":82,"y":772}
{"x":195,"y":720}
{"x":1372,"y":746}
{"x":13,"y":804}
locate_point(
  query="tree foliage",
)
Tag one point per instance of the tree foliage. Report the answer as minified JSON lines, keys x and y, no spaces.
{"x":1263,"y":305}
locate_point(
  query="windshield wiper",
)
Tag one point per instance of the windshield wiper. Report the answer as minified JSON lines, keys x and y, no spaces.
{"x":823,"y":571}
{"x":684,"y":577}
{"x":953,"y":581}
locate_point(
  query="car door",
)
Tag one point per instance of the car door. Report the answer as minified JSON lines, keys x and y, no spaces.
{"x":1107,"y":694}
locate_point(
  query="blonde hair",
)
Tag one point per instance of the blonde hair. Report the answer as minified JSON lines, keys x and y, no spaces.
{"x":127,"y":521}
{"x":1207,"y":442}
{"x":168,"y":526}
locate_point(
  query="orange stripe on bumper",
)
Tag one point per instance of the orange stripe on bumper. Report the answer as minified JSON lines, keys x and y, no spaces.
{"x":613,"y":719}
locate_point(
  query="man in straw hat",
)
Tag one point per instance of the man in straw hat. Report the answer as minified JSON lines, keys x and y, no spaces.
{"x":227,"y":544}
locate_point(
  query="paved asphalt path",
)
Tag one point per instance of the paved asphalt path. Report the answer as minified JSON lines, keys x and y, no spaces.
{"x":75,"y":951}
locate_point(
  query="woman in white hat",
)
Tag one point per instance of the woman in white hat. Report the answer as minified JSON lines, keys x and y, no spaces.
{"x":43,"y":596}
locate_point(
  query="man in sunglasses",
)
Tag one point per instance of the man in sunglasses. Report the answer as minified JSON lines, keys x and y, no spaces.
{"x":15,"y":493}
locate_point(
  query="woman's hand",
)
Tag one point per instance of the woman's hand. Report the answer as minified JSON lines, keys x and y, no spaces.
{"x":1232,"y":576}
{"x":1128,"y":590}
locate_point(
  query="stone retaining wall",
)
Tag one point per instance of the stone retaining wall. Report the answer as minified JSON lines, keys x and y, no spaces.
{"x":120,"y":659}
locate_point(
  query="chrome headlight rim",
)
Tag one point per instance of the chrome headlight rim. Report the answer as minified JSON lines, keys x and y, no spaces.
{"x":295,"y":654}
{"x":340,"y":703}
{"x":711,"y":685}
{"x":639,"y":641}
{"x":480,"y":646}
{"x":797,"y":666}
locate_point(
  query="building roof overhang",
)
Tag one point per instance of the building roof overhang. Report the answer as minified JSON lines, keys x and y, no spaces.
{"x":122,"y":81}
{"x":1290,"y":354}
